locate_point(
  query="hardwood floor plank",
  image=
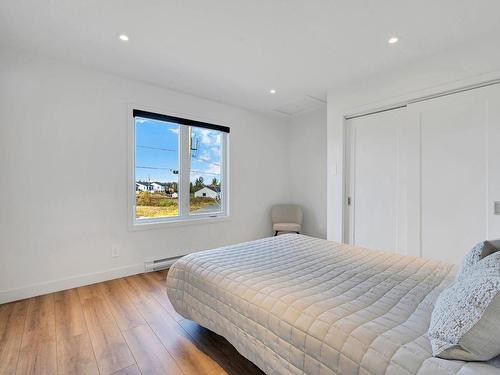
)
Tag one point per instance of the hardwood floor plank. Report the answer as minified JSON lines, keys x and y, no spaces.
{"x":75,"y":356}
{"x":178,"y":343}
{"x":159,"y":275}
{"x":111,"y":350}
{"x":152,"y":358}
{"x":12,"y":320}
{"x":124,"y":311}
{"x":38,"y":348}
{"x":74,"y":349}
{"x":40,"y":319}
{"x":158,"y":286}
{"x":131,"y":370}
{"x":70,"y":321}
{"x":38,"y":357}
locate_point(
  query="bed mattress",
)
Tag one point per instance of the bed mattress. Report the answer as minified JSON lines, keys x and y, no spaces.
{"x":293,"y":304}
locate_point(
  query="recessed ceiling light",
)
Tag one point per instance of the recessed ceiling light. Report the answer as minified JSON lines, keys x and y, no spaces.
{"x":272,"y":91}
{"x":393,"y":40}
{"x":124,"y":38}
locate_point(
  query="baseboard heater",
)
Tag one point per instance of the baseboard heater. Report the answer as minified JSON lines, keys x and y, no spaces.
{"x":159,"y":264}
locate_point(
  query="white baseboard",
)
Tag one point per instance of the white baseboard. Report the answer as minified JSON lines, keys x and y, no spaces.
{"x":71,"y":282}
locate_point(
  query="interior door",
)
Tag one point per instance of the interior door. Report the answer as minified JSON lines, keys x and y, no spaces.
{"x":374,"y":179}
{"x":454,"y":175}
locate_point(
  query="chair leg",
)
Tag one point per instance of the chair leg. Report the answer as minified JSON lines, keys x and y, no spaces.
{"x":297,"y":232}
{"x":275,"y":233}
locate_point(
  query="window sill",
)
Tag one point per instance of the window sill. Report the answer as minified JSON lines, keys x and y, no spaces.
{"x":162,"y":224}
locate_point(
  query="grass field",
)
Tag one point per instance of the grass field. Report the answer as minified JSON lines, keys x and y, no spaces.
{"x":154,"y":211}
{"x":159,"y":205}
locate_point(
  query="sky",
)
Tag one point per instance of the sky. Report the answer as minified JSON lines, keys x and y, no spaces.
{"x":157,"y":152}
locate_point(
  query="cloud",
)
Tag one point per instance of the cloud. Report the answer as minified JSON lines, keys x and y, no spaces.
{"x":208,"y":172}
{"x":208,"y":137}
{"x":215,"y":150}
{"x":175,"y":130}
{"x":213,"y":169}
{"x":204,"y":157}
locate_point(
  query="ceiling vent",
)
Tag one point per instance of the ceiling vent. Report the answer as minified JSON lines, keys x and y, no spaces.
{"x":305,"y":104}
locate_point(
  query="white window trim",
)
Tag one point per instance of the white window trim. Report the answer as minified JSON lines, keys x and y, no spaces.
{"x":184,"y":217}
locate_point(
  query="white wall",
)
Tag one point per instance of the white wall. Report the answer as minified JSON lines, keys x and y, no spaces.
{"x":307,"y":169}
{"x":457,"y":67}
{"x":63,"y":167}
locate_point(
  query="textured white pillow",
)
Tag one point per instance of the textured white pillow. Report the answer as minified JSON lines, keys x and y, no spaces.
{"x":478,"y":252}
{"x":465,"y":322}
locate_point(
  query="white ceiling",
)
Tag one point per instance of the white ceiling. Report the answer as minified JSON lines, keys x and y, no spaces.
{"x":234,"y":51}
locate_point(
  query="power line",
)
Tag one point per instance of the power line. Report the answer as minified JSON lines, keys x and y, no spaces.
{"x":175,"y":170}
{"x":167,"y":169}
{"x":156,"y":148}
{"x":203,"y":172}
{"x":208,"y":162}
{"x":170,"y":150}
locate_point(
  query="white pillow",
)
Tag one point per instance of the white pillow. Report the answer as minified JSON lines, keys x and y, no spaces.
{"x":478,"y":252}
{"x":465,"y":322}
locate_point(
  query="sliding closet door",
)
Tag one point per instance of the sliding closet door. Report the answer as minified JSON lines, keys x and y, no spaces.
{"x":454,"y":174}
{"x":374,"y":179}
{"x":493,"y":147}
{"x":424,"y":180}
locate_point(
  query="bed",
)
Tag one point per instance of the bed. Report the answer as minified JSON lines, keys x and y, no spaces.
{"x":293,"y":304}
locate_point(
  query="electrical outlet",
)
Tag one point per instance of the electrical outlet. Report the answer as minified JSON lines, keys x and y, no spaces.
{"x":115,"y":251}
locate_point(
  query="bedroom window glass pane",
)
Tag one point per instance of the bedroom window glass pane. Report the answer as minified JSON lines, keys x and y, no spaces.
{"x":206,"y":171}
{"x":156,"y":169}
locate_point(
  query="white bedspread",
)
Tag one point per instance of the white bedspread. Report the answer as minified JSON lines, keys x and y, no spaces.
{"x":294,"y":304}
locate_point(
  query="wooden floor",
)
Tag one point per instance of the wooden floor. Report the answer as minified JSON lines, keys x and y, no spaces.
{"x":123,"y":326}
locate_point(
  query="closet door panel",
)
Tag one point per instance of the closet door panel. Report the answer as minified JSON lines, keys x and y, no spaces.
{"x":493,"y":147}
{"x":453,"y":174}
{"x":375,"y":142}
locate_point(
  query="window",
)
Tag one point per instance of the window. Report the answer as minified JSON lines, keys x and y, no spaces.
{"x":205,"y":176}
{"x":179,"y":169}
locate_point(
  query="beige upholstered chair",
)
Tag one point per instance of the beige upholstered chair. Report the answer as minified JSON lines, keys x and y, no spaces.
{"x":286,"y":218}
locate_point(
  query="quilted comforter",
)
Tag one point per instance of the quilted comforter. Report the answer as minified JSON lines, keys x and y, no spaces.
{"x":293,"y":304}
